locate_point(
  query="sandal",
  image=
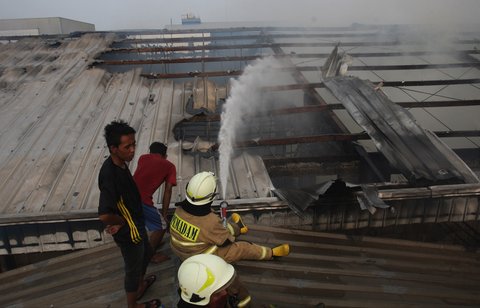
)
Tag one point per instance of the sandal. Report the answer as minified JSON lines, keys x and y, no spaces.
{"x":154,"y":303}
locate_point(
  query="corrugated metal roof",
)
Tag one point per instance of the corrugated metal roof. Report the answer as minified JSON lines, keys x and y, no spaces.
{"x":53,"y":111}
{"x":52,"y":128}
{"x":334,"y":269}
{"x":54,"y":106}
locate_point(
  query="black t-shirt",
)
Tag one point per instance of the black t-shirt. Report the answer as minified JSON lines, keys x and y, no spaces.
{"x":119,"y":195}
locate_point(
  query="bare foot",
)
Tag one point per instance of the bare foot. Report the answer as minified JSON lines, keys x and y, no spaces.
{"x":144,"y":285}
{"x":159,"y":258}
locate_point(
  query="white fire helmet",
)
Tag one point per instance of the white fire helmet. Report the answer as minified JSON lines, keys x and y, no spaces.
{"x":201,"y":189}
{"x":201,"y":275}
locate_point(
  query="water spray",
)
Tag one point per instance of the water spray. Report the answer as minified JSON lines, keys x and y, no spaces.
{"x":245,"y":98}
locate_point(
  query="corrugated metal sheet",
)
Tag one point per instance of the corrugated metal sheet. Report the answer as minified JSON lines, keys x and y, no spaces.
{"x":334,"y":269}
{"x":52,"y":130}
{"x":416,"y":152}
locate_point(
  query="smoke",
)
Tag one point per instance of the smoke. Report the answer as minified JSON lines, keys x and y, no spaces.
{"x":344,"y":12}
{"x":246,"y":99}
{"x":155,"y":14}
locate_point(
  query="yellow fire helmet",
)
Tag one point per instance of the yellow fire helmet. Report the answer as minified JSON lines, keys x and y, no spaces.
{"x":201,"y":275}
{"x":202,"y":188}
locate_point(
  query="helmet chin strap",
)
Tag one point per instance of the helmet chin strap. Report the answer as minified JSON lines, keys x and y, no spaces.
{"x":195,"y":298}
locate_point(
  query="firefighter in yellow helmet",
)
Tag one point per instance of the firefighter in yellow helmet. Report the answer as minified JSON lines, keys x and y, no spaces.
{"x":196,"y":229}
{"x":208,"y":281}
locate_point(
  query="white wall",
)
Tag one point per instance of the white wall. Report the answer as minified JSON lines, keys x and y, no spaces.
{"x":51,"y":25}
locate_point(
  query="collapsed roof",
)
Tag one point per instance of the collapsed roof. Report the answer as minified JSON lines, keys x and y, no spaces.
{"x":57,"y":94}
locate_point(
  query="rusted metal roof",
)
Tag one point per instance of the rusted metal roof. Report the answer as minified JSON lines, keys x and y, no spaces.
{"x":334,"y":269}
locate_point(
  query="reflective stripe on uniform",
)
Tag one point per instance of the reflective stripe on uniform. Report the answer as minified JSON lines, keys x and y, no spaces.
{"x":264,"y":252}
{"x":244,"y":302}
{"x":185,"y":244}
{"x":230,"y":229}
{"x":177,"y":242}
{"x":211,"y":250}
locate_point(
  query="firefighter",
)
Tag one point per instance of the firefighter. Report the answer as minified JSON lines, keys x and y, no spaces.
{"x":208,"y":281}
{"x":196,"y":229}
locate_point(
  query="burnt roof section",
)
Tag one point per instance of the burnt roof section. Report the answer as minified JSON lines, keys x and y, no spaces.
{"x":416,"y":152}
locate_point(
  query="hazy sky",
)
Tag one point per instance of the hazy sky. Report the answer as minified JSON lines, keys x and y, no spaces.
{"x":142,"y":14}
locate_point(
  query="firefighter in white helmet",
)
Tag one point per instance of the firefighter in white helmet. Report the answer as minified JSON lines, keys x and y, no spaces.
{"x":196,"y":229}
{"x":209,"y":281}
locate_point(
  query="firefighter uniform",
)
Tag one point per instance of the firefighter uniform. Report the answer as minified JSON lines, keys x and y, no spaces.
{"x":191,"y":235}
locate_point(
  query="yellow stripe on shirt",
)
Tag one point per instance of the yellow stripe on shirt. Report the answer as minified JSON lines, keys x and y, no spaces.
{"x":128,"y":218}
{"x":134,"y":234}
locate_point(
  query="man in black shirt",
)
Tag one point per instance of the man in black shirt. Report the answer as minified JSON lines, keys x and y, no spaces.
{"x":120,"y":209}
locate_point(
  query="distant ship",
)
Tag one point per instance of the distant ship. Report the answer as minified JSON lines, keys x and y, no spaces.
{"x":190,"y":19}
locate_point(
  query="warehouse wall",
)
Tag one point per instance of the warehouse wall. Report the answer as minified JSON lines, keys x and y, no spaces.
{"x":41,"y":26}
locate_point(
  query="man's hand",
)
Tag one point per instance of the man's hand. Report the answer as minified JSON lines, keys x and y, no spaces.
{"x":167,"y":220}
{"x":113,"y":222}
{"x":112,"y":229}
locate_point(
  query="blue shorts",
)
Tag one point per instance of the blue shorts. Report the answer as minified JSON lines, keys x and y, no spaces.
{"x":153,"y":221}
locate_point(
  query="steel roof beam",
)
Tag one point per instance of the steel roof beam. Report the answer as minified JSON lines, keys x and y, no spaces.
{"x":341,"y":30}
{"x":402,"y":83}
{"x":243,"y":46}
{"x":313,"y":97}
{"x":240,"y":46}
{"x":340,"y":137}
{"x":313,"y":68}
{"x":178,"y":60}
{"x":209,"y":38}
{"x":321,"y":108}
{"x":252,"y":58}
{"x":247,"y":29}
{"x":197,"y":39}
